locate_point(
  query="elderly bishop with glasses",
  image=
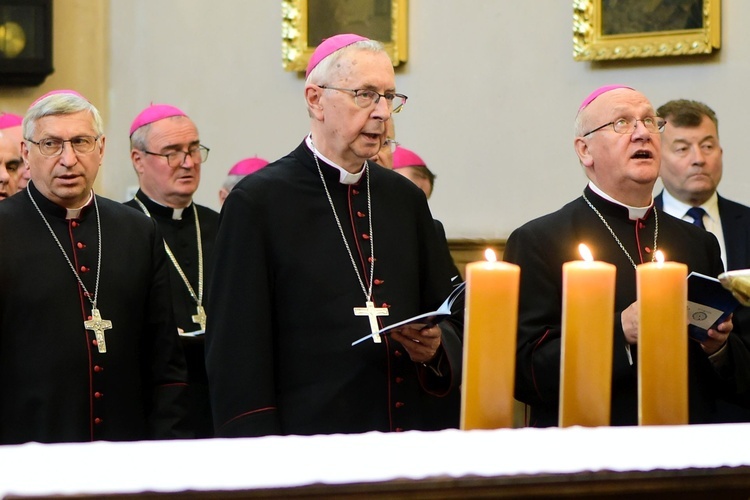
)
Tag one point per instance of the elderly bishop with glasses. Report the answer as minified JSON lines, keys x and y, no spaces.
{"x":317,"y":250}
{"x":618,"y":144}
{"x":88,"y":345}
{"x":167,"y":157}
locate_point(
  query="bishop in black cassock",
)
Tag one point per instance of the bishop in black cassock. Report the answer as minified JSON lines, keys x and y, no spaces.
{"x":55,"y":385}
{"x":279,"y":353}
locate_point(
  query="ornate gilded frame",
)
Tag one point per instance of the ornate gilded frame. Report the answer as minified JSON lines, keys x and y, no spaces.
{"x":590,"y":44}
{"x":296,"y":49}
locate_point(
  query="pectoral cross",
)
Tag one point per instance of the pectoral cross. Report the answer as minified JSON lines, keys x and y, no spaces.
{"x":200,"y":317}
{"x":372,"y":311}
{"x":98,"y":325}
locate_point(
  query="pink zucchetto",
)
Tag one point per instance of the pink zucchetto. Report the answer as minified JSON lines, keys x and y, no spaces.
{"x":248,"y":166}
{"x":403,"y":157}
{"x":600,"y":91}
{"x":154,"y":113}
{"x":55,"y":92}
{"x":329,"y":46}
{"x":8,"y":120}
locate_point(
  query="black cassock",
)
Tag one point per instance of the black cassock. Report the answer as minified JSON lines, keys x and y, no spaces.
{"x":279,"y":335}
{"x":181,"y":236}
{"x":55,"y":385}
{"x":541,"y":247}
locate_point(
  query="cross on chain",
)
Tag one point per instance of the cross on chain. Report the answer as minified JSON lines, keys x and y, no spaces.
{"x":200,"y":317}
{"x":372,"y":311}
{"x":98,"y":325}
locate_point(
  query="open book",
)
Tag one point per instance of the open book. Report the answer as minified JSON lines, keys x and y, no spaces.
{"x":709,"y":303}
{"x":423,"y":320}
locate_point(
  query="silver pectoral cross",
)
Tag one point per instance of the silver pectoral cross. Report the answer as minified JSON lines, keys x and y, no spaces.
{"x":372,"y":311}
{"x":200,"y":317}
{"x":98,"y":325}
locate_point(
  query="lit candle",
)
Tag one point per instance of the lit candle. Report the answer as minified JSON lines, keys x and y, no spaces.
{"x":587,"y":335}
{"x":489,"y":356}
{"x":662,"y":343}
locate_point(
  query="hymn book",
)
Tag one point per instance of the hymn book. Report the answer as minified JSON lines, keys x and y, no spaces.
{"x":423,"y":320}
{"x":709,"y":304}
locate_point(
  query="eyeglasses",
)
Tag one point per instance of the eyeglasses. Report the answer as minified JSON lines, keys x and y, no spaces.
{"x":392,"y":144}
{"x":653,"y":124}
{"x":52,"y":146}
{"x":364,"y":98}
{"x":175,"y":159}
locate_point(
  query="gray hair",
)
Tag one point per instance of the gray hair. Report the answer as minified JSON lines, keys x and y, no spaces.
{"x":325,"y":69}
{"x":60,"y":104}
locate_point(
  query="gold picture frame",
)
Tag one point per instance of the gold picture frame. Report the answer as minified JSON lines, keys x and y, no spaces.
{"x":305,"y":23}
{"x":625,"y":29}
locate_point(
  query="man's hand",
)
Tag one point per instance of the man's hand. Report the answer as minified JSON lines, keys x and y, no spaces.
{"x":717,"y":337}
{"x":422,"y":345}
{"x":629,"y":320}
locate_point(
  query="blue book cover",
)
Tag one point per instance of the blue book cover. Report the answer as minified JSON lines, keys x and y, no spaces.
{"x":709,"y":304}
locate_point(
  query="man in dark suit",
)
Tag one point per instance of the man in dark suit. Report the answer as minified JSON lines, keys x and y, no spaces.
{"x":691,"y":168}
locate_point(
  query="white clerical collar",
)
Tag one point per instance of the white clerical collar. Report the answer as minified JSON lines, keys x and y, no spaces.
{"x":678,"y":209}
{"x":344,"y":176}
{"x":634,"y":213}
{"x":176,"y":212}
{"x":75,"y":213}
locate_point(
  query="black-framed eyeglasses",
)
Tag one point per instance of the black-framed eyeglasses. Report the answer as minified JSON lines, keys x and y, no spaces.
{"x":175,"y":159}
{"x":653,"y":124}
{"x":364,"y":98}
{"x":53,"y":146}
{"x":392,"y":144}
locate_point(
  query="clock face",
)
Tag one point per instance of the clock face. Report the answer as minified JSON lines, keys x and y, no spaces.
{"x":25,"y":41}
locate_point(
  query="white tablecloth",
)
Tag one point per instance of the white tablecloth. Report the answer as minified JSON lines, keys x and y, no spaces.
{"x":270,"y":462}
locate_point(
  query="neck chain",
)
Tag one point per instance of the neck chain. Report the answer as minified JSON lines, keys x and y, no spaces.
{"x":97,"y":324}
{"x":200,"y":316}
{"x":369,"y":310}
{"x":656,"y":232}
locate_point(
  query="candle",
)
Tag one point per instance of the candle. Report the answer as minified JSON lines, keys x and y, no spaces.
{"x":489,"y":356}
{"x":662,"y":343}
{"x":587,"y":335}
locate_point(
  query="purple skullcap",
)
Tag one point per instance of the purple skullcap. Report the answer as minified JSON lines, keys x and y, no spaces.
{"x":55,"y":92}
{"x":154,"y":113}
{"x":600,"y":91}
{"x":8,"y":120}
{"x":248,"y":166}
{"x":329,"y":46}
{"x":403,"y":157}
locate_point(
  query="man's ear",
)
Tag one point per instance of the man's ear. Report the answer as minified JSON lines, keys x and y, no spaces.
{"x":313,"y":95}
{"x":137,"y":157}
{"x":582,"y":150}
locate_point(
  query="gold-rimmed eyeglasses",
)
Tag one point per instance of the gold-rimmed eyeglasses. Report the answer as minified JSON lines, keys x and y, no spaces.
{"x":53,"y":146}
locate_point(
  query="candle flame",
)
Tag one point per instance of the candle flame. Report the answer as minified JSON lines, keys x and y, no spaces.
{"x":660,"y":257}
{"x":490,"y":255}
{"x":585,"y":253}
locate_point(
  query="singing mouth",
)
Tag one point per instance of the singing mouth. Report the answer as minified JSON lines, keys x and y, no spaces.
{"x":643,"y":154}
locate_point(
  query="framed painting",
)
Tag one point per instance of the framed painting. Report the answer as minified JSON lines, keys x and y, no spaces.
{"x":305,"y":23}
{"x":625,"y":29}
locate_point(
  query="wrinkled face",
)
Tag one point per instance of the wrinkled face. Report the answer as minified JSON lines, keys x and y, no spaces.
{"x":65,"y":179}
{"x":691,"y":163}
{"x":11,"y":163}
{"x":625,"y":166}
{"x":342,"y":131}
{"x":418,"y":177}
{"x":169,"y":186}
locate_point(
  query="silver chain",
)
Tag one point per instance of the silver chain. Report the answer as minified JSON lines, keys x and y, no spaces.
{"x":197,"y":298}
{"x":656,"y":232}
{"x":365,"y":290}
{"x":72,"y":267}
